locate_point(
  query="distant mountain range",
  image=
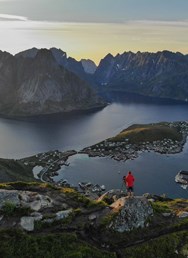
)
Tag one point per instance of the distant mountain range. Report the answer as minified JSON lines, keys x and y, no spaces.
{"x":41,"y":81}
{"x":162,"y":74}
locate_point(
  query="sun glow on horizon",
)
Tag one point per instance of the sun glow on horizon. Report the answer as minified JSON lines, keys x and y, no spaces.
{"x":94,"y":40}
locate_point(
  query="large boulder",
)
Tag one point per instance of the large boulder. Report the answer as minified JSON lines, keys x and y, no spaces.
{"x":34,"y":200}
{"x":132,"y":213}
{"x":27,"y":223}
{"x":63,"y":214}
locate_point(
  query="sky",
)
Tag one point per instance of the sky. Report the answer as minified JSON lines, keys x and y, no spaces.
{"x":94,"y":28}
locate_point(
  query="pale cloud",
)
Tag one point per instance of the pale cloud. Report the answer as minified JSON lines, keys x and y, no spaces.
{"x":94,"y":40}
{"x":12,"y":17}
{"x":180,"y":23}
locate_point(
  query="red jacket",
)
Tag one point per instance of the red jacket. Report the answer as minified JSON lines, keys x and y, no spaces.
{"x":129,"y":180}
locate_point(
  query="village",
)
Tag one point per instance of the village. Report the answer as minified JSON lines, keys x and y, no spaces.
{"x":123,"y":150}
{"x":45,"y":165}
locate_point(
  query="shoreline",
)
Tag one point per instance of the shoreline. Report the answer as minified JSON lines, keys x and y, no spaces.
{"x":52,"y":161}
{"x":120,"y":151}
{"x":64,"y":113}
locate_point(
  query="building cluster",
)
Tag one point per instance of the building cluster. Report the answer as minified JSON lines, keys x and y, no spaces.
{"x":123,"y":150}
{"x":50,"y":162}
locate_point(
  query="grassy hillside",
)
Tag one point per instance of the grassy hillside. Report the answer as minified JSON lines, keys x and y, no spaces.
{"x":13,"y":170}
{"x":148,"y":132}
{"x":15,"y":243}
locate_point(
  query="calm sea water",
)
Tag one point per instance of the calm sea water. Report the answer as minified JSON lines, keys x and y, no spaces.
{"x":154,"y":172}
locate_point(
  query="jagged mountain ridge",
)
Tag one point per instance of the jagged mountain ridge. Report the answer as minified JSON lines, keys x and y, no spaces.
{"x":35,"y":83}
{"x":162,"y":74}
{"x":83,"y":68}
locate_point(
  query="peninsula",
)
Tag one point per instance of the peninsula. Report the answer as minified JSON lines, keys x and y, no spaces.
{"x":164,"y":138}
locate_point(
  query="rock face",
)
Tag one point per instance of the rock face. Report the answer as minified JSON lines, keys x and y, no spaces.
{"x":133,"y":213}
{"x":36,"y":203}
{"x":29,"y":199}
{"x":63,"y":214}
{"x":36,"y":82}
{"x":89,"y":66}
{"x":162,"y":74}
{"x":83,"y":69}
{"x":7,"y":75}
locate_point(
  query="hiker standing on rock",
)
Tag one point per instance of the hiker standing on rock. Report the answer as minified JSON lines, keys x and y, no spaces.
{"x":129,"y":182}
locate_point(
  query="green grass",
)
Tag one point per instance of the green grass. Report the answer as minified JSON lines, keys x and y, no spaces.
{"x":170,"y":246}
{"x":18,"y":184}
{"x":82,"y":200}
{"x":16,"y":244}
{"x":160,"y":207}
{"x":170,"y":206}
{"x":106,"y":220}
{"x":14,"y":170}
{"x":10,"y":209}
{"x":21,"y":185}
{"x":149,"y":132}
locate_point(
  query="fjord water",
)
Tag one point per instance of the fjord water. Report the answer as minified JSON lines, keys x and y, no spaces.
{"x":154,"y":172}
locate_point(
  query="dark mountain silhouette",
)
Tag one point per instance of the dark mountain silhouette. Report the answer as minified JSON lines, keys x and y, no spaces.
{"x":33,"y":82}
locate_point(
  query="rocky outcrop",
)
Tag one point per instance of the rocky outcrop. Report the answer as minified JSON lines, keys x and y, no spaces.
{"x":63,"y":214}
{"x":133,"y":213}
{"x":32,"y":200}
{"x":68,"y":217}
{"x":183,"y":214}
{"x":162,"y":74}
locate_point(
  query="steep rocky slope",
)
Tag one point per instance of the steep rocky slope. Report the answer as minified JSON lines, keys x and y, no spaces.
{"x":162,"y":74}
{"x":83,"y":69}
{"x":39,"y":85}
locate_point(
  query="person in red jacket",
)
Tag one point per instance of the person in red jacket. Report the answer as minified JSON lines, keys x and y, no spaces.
{"x":129,"y":181}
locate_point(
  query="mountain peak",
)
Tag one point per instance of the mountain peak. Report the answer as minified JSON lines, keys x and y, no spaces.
{"x":29,"y":53}
{"x":44,"y":53}
{"x":109,"y":56}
